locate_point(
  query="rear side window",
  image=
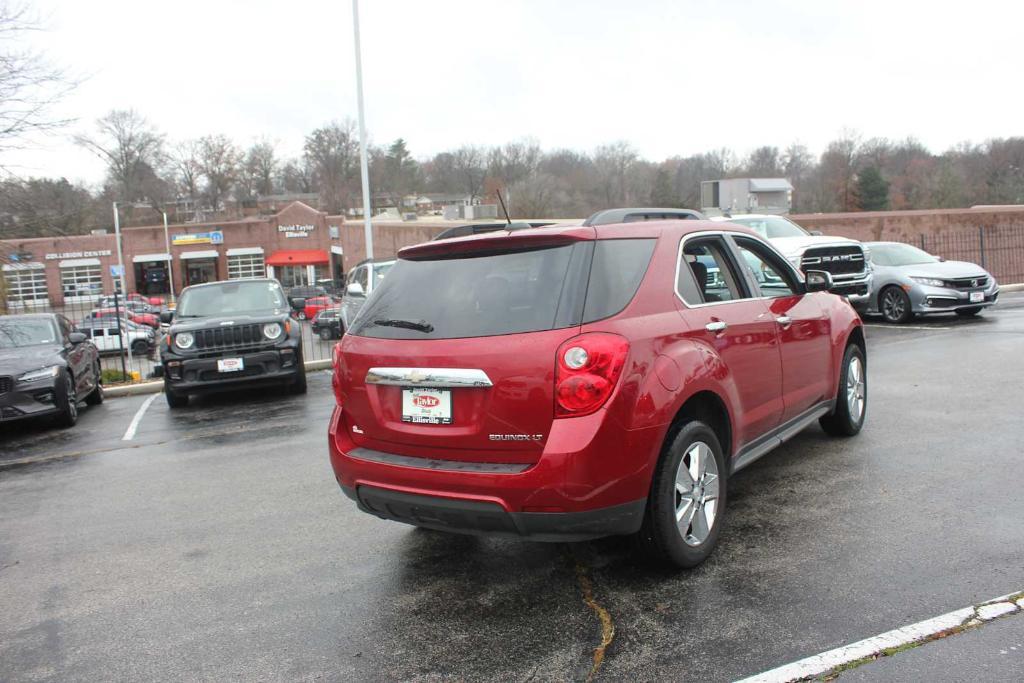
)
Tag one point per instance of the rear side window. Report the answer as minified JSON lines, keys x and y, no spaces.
{"x":477,"y":295}
{"x":618,"y":268}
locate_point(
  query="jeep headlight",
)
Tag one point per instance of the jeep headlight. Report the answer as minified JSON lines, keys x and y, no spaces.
{"x":272,"y":330}
{"x":41,"y":373}
{"x":184,"y":340}
{"x":930,"y":281}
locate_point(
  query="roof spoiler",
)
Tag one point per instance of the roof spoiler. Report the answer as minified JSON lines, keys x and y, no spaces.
{"x":633,"y":215}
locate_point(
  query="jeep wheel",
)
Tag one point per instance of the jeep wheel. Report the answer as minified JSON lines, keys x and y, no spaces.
{"x":851,"y":398}
{"x":140,"y":347}
{"x":895,"y":305}
{"x":687,"y":500}
{"x":66,"y":401}
{"x":174,"y":399}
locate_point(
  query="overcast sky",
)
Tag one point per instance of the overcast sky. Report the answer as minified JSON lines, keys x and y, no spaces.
{"x":672,"y":78}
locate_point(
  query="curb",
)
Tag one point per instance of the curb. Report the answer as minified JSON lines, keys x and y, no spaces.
{"x":1019,"y":287}
{"x":157,"y":387}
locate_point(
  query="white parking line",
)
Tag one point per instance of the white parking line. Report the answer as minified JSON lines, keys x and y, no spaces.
{"x":869,"y":647}
{"x":905,"y":327}
{"x":130,"y":432}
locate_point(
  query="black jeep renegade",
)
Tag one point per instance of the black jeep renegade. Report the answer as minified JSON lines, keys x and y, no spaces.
{"x":230,"y":335}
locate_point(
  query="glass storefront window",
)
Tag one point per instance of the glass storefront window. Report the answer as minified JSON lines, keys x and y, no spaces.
{"x":246,"y":266}
{"x":26,"y":284}
{"x":81,"y":283}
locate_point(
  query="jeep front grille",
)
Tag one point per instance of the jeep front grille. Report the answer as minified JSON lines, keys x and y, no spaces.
{"x":6,"y":384}
{"x":229,"y":337}
{"x":841,"y":260}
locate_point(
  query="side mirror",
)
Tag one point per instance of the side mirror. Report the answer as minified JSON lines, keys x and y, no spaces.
{"x":817,"y":281}
{"x":166,"y":317}
{"x":355,"y":289}
{"x":76,"y":337}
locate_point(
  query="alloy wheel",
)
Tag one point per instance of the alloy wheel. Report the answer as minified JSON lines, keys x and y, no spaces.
{"x":696,"y":494}
{"x":72,"y":401}
{"x":893,"y":305}
{"x":855,"y":389}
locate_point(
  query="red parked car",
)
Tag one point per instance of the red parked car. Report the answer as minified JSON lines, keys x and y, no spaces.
{"x":563,"y":384}
{"x":317,"y":304}
{"x":150,"y":319}
{"x":151,"y":300}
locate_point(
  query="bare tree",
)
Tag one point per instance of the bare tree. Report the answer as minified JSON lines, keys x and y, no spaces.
{"x":469,"y":170}
{"x":261,"y":166}
{"x":29,"y":85}
{"x":797,"y":164}
{"x":218,"y":161}
{"x":187,"y":171}
{"x":612,"y":163}
{"x":763,"y":162}
{"x":297,"y":176}
{"x":128,"y":144}
{"x":332,"y":153}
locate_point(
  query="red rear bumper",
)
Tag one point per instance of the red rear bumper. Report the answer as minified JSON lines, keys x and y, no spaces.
{"x":591,"y":480}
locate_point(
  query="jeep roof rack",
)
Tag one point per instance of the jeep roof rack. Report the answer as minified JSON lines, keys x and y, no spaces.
{"x":632,"y":215}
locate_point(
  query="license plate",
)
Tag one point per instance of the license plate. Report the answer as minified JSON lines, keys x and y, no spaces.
{"x":230,"y":365}
{"x":977,"y":296}
{"x":427,"y":406}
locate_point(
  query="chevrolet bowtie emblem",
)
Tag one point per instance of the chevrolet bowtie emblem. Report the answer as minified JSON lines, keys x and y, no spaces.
{"x":416,"y":377}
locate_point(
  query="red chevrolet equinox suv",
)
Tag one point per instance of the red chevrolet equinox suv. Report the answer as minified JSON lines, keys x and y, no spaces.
{"x":568,"y":383}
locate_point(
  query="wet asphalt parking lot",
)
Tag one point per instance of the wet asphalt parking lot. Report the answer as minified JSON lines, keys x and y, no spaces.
{"x":216,"y":545}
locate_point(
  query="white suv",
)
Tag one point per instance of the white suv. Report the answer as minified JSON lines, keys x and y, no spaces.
{"x":847,"y":260}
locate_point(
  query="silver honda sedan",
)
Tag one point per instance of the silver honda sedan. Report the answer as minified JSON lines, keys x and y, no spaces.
{"x":909,"y":282}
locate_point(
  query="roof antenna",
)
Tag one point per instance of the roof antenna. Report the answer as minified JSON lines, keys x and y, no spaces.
{"x":507,"y":219}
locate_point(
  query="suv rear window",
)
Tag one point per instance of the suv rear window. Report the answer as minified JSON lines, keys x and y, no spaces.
{"x":472,"y":296}
{"x":480,"y":295}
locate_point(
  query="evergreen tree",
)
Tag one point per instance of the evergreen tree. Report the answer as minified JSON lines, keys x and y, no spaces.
{"x":872,"y":190}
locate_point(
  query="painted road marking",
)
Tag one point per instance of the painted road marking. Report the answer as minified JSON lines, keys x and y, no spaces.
{"x":920,"y":632}
{"x":905,"y":327}
{"x":130,"y":432}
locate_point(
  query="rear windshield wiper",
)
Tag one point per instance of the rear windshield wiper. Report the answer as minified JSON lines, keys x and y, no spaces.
{"x":418,"y":325}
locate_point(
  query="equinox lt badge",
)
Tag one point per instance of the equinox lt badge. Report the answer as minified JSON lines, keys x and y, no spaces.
{"x":515,"y":437}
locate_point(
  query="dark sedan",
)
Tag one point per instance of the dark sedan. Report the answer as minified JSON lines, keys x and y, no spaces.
{"x":46,"y":368}
{"x":327,"y":324}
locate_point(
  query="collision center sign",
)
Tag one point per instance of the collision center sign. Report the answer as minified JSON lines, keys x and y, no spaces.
{"x":77,"y":254}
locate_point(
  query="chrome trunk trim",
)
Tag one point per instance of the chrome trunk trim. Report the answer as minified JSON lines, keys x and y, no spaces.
{"x":428,"y":377}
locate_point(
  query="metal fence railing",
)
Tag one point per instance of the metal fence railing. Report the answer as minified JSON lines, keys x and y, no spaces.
{"x":128,"y":332}
{"x":999,"y":250}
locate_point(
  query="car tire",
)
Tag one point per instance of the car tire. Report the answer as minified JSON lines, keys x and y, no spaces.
{"x":95,"y":396}
{"x":325,"y":334}
{"x":140,"y":348}
{"x":174,"y":399}
{"x":894,"y":304}
{"x":691,"y":450}
{"x":66,"y":401}
{"x":968,"y":312}
{"x":298,"y":386}
{"x":851,"y":397}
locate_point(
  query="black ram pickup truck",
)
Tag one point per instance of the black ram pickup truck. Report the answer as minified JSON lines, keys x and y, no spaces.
{"x":231,"y":335}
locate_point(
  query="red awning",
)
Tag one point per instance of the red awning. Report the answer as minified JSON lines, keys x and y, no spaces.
{"x":298,"y":257}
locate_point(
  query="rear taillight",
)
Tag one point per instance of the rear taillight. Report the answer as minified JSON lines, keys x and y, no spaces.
{"x":587,"y":368}
{"x":336,"y":373}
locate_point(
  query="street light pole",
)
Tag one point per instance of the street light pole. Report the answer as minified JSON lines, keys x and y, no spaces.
{"x":170,"y":261}
{"x":124,"y":285}
{"x":363,"y":163}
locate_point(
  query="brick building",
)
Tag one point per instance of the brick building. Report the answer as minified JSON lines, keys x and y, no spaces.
{"x":298,"y":245}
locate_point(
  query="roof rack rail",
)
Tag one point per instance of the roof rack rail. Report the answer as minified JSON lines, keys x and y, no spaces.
{"x":632,"y":215}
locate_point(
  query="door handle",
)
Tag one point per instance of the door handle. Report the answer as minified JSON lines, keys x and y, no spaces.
{"x":717,"y":327}
{"x":784,"y":320}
